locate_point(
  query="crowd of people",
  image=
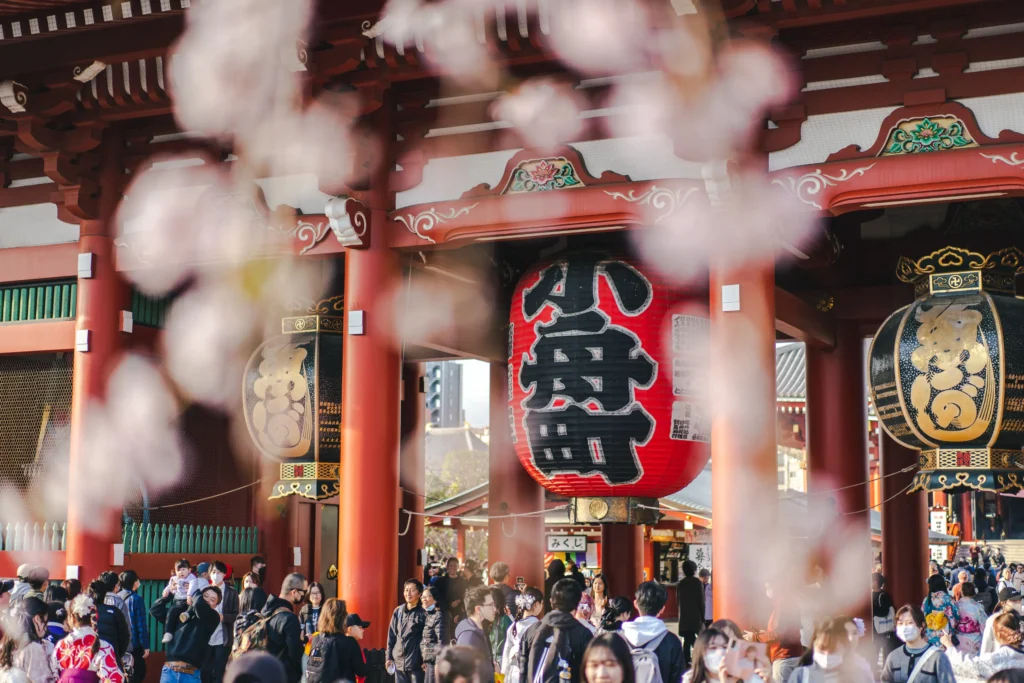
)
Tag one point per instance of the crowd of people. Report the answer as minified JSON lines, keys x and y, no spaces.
{"x":455,"y":628}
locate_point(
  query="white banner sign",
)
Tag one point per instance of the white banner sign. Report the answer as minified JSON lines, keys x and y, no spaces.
{"x":567,"y":544}
{"x":701,"y":554}
{"x":938,"y":552}
{"x":938,"y":521}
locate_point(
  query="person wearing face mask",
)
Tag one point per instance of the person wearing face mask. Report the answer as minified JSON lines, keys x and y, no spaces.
{"x":708,"y":657}
{"x":828,"y":662}
{"x":435,"y":632}
{"x":917,"y":659}
{"x":1009,"y":655}
{"x":221,"y":640}
{"x":941,"y":614}
{"x":1010,"y":600}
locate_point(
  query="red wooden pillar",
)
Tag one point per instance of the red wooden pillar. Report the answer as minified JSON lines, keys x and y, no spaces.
{"x":622,"y":557}
{"x":368,"y":540}
{"x":518,"y":542}
{"x":412,"y":474}
{"x":904,"y":527}
{"x":837,"y":452}
{"x":649,"y":573}
{"x":101,"y":298}
{"x":460,"y":540}
{"x":744,"y":460}
{"x":967,"y":517}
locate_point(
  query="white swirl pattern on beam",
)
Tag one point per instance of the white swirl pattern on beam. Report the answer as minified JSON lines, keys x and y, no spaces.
{"x":809,"y":185}
{"x":664,"y":201}
{"x":1012,"y":161}
{"x":423,"y":222}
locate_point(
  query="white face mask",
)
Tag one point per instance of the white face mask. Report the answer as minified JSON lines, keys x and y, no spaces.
{"x":908,"y":634}
{"x":828,"y":660}
{"x":216,"y":578}
{"x":713,"y":659}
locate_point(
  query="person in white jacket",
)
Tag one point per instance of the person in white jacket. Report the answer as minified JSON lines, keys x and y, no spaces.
{"x":1010,"y":600}
{"x":529,"y":608}
{"x":1008,"y":655}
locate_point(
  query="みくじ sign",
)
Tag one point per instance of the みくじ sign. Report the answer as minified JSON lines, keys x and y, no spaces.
{"x":567,"y":544}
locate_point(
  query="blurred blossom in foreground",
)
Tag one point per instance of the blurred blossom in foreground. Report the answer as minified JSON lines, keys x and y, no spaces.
{"x":130,"y":440}
{"x":599,"y":37}
{"x":544,"y":112}
{"x":437,"y":310}
{"x":226,"y":71}
{"x":753,"y":223}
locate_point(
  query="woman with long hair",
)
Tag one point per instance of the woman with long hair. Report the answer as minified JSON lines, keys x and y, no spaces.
{"x":82,"y":657}
{"x":917,"y":654}
{"x":619,"y":609}
{"x":941,"y":615}
{"x":729,"y":627}
{"x":1009,"y":655}
{"x":23,"y":647}
{"x":607,"y":659}
{"x":529,"y":609}
{"x":599,"y":591}
{"x":251,"y":580}
{"x":250,"y":604}
{"x":309,"y":615}
{"x":708,"y":657}
{"x":334,"y":656}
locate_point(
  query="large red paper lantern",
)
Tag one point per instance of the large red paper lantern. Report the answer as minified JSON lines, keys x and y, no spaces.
{"x":607,"y":379}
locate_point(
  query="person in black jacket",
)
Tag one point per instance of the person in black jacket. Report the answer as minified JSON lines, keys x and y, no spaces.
{"x":481,"y":607}
{"x":561,"y":631}
{"x":191,"y":626}
{"x":334,"y":656}
{"x":435,"y":632}
{"x":111,"y":625}
{"x":690,"y":599}
{"x":649,"y":632}
{"x":405,"y":635}
{"x":556,"y":572}
{"x":223,"y":638}
{"x":284,"y":635}
{"x":451,"y":590}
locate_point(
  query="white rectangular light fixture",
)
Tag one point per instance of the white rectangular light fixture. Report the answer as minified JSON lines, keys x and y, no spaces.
{"x":730,"y":297}
{"x":355,"y":322}
{"x":82,"y":341}
{"x":85,"y":266}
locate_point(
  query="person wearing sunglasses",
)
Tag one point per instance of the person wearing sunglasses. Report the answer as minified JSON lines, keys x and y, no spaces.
{"x":284,"y":634}
{"x":480,"y":608}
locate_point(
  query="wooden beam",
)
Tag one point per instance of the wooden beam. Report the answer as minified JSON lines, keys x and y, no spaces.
{"x":50,"y":262}
{"x":41,"y":337}
{"x":27,"y":195}
{"x":801,"y":321}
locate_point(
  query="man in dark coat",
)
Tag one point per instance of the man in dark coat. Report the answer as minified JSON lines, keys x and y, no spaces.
{"x":451,"y":589}
{"x":405,"y":636}
{"x":649,"y":632}
{"x":690,"y":599}
{"x":558,"y":629}
{"x":222,"y":640}
{"x":284,"y":636}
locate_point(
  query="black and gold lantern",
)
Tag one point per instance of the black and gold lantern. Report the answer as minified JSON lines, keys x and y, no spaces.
{"x":947,"y":372}
{"x":292,"y":401}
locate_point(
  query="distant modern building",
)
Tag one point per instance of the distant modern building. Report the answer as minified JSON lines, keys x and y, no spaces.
{"x":444,"y":394}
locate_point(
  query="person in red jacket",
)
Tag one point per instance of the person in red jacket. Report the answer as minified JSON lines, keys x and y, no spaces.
{"x":782,"y":637}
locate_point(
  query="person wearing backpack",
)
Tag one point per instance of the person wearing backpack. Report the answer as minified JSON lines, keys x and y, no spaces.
{"x":554,"y":646}
{"x":334,"y":656}
{"x":657,"y":653}
{"x":283,"y":632}
{"x":883,"y":618}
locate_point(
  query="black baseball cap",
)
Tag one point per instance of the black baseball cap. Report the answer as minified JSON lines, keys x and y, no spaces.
{"x":1009,"y":593}
{"x":356,"y":620}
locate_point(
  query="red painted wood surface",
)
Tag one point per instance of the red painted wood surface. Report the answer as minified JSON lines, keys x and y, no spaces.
{"x":50,"y":262}
{"x":44,"y":337}
{"x":904,"y":527}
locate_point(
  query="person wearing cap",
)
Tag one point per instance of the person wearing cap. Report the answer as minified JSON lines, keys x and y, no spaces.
{"x":355,"y":627}
{"x":21,"y":586}
{"x":37,"y":579}
{"x":1010,"y":600}
{"x":334,"y":656}
{"x":191,"y":628}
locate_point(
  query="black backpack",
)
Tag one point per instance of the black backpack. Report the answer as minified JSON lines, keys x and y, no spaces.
{"x":322,"y":664}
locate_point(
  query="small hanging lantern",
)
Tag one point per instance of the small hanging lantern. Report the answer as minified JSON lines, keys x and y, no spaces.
{"x":945,"y":377}
{"x":292,"y":401}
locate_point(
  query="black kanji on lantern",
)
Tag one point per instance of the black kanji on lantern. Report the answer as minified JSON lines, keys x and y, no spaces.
{"x":591,"y":368}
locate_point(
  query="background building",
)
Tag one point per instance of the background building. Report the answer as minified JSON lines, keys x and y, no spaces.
{"x":444,"y":394}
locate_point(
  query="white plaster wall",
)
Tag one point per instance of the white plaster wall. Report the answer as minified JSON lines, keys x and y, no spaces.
{"x":34,"y":225}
